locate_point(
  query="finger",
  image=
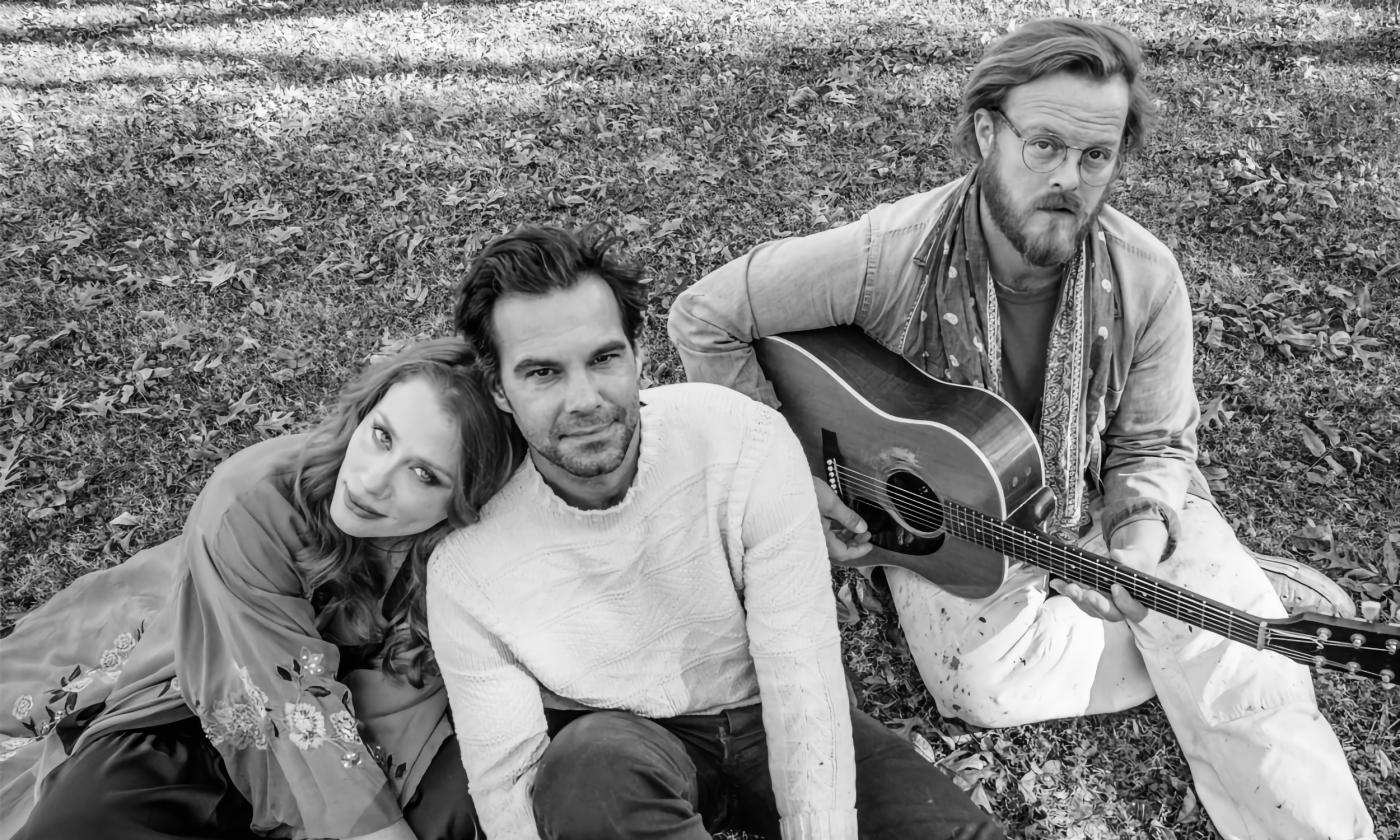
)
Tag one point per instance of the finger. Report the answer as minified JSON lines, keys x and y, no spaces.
{"x":847,"y":518}
{"x":1090,"y":601}
{"x":844,"y":551}
{"x":1128,"y":606}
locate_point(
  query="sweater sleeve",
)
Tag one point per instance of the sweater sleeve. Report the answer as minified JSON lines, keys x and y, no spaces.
{"x":793,"y":637}
{"x":496,"y":706}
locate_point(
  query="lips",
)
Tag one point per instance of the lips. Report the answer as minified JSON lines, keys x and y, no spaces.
{"x":359,"y":508}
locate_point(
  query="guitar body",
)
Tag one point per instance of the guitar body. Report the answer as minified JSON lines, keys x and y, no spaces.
{"x":907,"y":441}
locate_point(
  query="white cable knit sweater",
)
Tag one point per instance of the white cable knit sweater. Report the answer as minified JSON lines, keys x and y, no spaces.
{"x":706,"y":588}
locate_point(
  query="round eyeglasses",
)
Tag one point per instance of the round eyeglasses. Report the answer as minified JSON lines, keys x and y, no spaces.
{"x":1043,"y":153}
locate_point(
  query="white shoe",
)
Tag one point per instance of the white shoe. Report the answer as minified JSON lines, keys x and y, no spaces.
{"x":1304,"y":589}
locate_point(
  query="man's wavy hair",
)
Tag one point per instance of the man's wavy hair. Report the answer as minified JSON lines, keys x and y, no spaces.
{"x":537,"y":261}
{"x":343,"y":579}
{"x":1042,"y":48}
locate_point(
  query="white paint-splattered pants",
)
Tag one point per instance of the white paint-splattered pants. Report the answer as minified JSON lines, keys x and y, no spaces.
{"x":1265,"y":763}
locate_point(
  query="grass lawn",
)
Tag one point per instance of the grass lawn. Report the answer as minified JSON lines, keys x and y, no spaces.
{"x":211,"y":213}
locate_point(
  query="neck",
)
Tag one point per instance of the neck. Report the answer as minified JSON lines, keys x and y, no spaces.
{"x":595,"y":492}
{"x":1007,"y":265}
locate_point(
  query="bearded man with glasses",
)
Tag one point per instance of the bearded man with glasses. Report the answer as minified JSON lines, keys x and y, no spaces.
{"x":1019,"y":279}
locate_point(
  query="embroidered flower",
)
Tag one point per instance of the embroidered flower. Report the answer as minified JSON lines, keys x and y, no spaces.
{"x":110,"y":660}
{"x":312,"y":663}
{"x":305,"y":725}
{"x":256,"y":696}
{"x":345,"y":727}
{"x":23,"y":706}
{"x":239,"y":724}
{"x":175,"y":684}
{"x":952,"y":270}
{"x":12,"y":744}
{"x":953,"y":360}
{"x":124,"y":643}
{"x":951,"y":318}
{"x":80,"y":683}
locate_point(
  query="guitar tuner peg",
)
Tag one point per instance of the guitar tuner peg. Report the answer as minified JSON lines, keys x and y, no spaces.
{"x":1353,"y":667}
{"x":1324,"y":633}
{"x":1392,"y":646}
{"x":1358,"y":640}
{"x":1371,"y":610}
{"x":1387,"y":677}
{"x":1319,"y":662}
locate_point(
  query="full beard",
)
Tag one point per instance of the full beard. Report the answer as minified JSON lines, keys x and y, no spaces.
{"x":1050,"y":248}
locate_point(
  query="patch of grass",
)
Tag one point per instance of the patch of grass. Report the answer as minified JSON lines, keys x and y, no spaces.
{"x":211,"y":213}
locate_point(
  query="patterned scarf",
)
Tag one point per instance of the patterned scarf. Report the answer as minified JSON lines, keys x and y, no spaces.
{"x":965,"y":348}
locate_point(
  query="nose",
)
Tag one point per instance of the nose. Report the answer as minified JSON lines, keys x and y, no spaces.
{"x":582,"y":396}
{"x":1066,"y":175}
{"x":374,"y":478}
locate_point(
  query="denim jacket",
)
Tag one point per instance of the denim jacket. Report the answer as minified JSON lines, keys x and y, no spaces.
{"x":864,"y":273}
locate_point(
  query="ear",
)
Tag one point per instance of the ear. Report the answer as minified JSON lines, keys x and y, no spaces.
{"x":498,"y":394}
{"x":985,"y":127}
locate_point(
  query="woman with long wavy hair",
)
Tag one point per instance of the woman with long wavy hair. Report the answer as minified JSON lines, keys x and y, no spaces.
{"x":267,"y":672}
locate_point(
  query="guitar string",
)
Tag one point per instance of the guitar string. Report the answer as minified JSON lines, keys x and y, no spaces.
{"x":1036,"y":548}
{"x":1252,"y":626}
{"x":1098,"y":569}
{"x":1300,"y":657}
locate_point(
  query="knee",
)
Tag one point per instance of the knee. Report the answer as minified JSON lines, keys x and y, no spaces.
{"x":601,"y":766}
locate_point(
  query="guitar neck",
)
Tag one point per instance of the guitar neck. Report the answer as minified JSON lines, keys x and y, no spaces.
{"x":1098,"y":572}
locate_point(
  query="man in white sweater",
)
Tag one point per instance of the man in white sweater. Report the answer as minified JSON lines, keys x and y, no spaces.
{"x":639,"y":637}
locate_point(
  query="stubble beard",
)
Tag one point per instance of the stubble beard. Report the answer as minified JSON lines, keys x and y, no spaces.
{"x":593,"y":458}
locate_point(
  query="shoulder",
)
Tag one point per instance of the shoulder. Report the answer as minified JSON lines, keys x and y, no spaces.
{"x":255,"y":485}
{"x":1129,"y":241}
{"x":912,"y":216}
{"x":506,"y":522}
{"x":701,"y":409}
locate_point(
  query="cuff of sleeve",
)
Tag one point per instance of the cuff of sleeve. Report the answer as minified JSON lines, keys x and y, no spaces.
{"x":1117,"y":515}
{"x":820,"y":825}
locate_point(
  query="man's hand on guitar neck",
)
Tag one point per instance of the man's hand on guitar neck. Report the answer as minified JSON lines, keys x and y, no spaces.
{"x":1137,"y":544}
{"x":847,"y":535}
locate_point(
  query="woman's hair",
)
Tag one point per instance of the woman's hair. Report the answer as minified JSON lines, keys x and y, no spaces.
{"x":343,"y":579}
{"x":1042,"y":48}
{"x":538,"y":261}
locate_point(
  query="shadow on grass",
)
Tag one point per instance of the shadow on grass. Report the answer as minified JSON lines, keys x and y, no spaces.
{"x":238,"y":11}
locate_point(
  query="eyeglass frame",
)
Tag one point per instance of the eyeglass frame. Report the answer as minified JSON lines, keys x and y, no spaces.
{"x":1114,"y":165}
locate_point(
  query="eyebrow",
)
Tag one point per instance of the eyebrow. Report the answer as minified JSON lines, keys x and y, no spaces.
{"x":445,"y":476}
{"x":533,"y":361}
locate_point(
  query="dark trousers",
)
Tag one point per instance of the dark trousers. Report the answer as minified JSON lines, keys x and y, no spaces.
{"x":617,"y":776}
{"x":169,"y":782}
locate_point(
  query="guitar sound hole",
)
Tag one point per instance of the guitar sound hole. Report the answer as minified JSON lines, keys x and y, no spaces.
{"x":915,"y":526}
{"x":915,"y":503}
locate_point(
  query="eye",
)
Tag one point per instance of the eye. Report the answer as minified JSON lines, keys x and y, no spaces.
{"x":539,"y":373}
{"x":1098,"y":156}
{"x":604,"y":358}
{"x":1045,"y":143}
{"x":381,"y":437}
{"x":425,"y":476}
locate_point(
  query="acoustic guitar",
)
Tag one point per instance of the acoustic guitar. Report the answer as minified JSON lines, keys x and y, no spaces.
{"x":949,"y":479}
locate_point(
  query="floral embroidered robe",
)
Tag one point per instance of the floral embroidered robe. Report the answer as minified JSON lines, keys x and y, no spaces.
{"x":216,"y":622}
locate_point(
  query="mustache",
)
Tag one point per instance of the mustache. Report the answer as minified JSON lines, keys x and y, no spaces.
{"x":1066,"y":201}
{"x":1061,"y":202}
{"x":578,"y":422}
